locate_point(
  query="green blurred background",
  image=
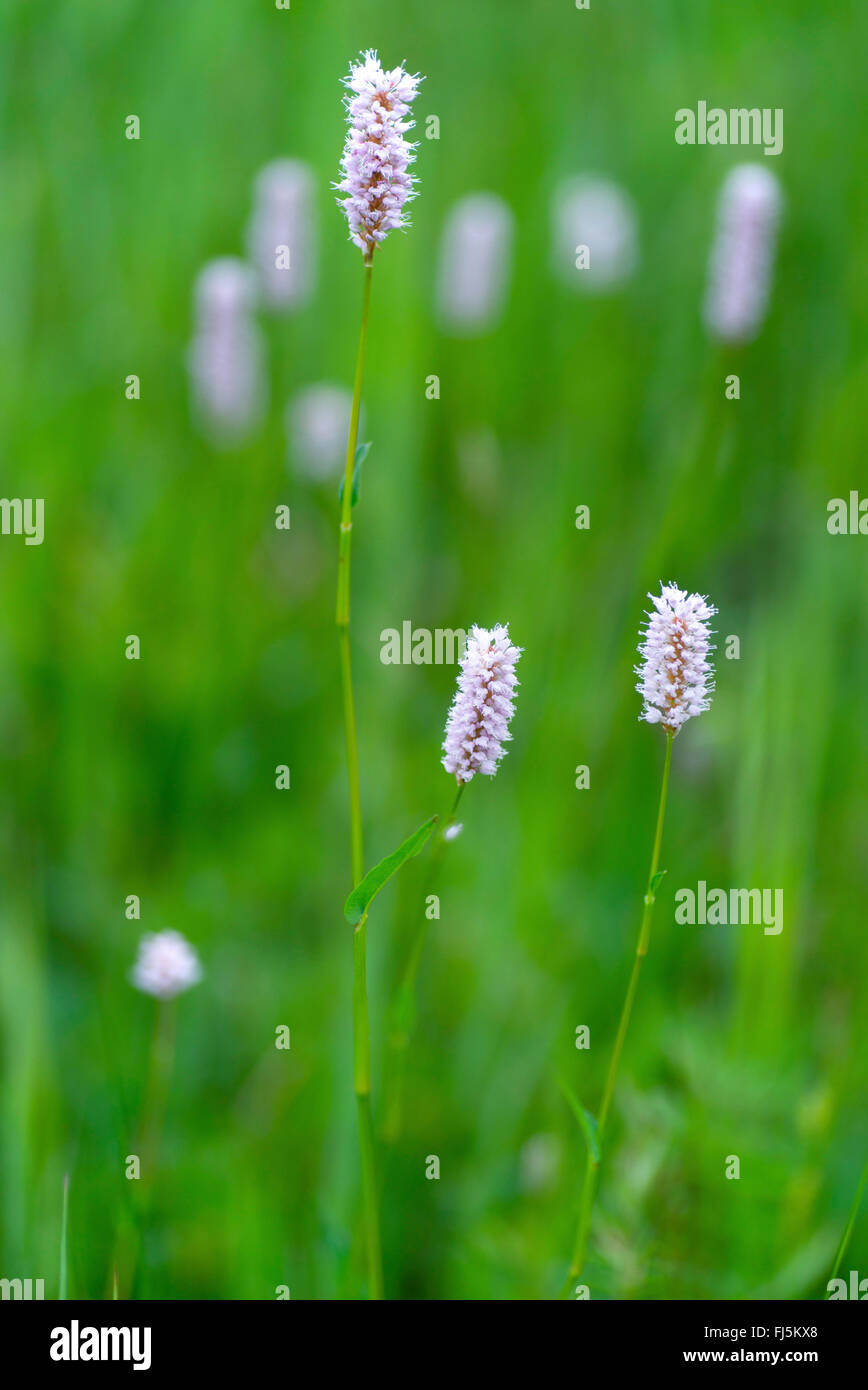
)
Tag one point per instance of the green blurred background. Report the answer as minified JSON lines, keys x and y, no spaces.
{"x":157,"y":777}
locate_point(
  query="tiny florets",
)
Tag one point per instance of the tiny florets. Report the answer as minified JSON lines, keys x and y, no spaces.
{"x":478,"y":723}
{"x":676,"y":675}
{"x":375,"y":165}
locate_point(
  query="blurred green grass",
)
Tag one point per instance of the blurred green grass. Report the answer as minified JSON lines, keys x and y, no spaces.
{"x":156,"y":777}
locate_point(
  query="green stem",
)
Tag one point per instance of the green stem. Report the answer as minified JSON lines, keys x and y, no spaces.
{"x":63,"y":1281}
{"x":357,"y":853}
{"x":411,"y":971}
{"x":342,"y":611}
{"x":592,"y":1168}
{"x":403,"y":1009}
{"x":362,"y":1085}
{"x":157,"y":1092}
{"x":848,"y":1229}
{"x":361,"y":1027}
{"x":147,"y":1143}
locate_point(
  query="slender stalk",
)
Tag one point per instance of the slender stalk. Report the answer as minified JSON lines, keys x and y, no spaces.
{"x":147,"y":1145}
{"x":592,"y":1167}
{"x":342,"y":612}
{"x":157,"y":1091}
{"x":361,"y":1029}
{"x":357,"y":852}
{"x":362,"y":1083}
{"x":848,"y":1229}
{"x":63,"y":1280}
{"x":403,"y":1009}
{"x":411,"y":970}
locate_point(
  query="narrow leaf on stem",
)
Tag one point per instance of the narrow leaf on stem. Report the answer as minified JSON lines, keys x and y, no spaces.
{"x":360,"y":899}
{"x":359,"y":457}
{"x":652,"y":886}
{"x":586,"y":1120}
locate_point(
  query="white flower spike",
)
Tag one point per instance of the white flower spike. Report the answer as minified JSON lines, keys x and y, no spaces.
{"x":282,"y":234}
{"x":742,"y":259}
{"x":226,"y":355}
{"x":475,"y":264}
{"x":676,"y":675}
{"x":317,"y":419}
{"x":376,"y":158}
{"x":166,"y":965}
{"x":598,"y":214}
{"x":478,"y":723}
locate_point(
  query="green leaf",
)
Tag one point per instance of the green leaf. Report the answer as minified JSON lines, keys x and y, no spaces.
{"x":652,"y":886}
{"x":585,"y":1118}
{"x":357,"y":904}
{"x":361,"y":454}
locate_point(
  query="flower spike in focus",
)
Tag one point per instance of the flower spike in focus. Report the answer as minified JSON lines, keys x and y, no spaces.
{"x":376,"y":158}
{"x":676,"y":675}
{"x":478,"y":723}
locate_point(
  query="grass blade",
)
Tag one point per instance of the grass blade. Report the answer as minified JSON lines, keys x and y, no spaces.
{"x":851,"y":1222}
